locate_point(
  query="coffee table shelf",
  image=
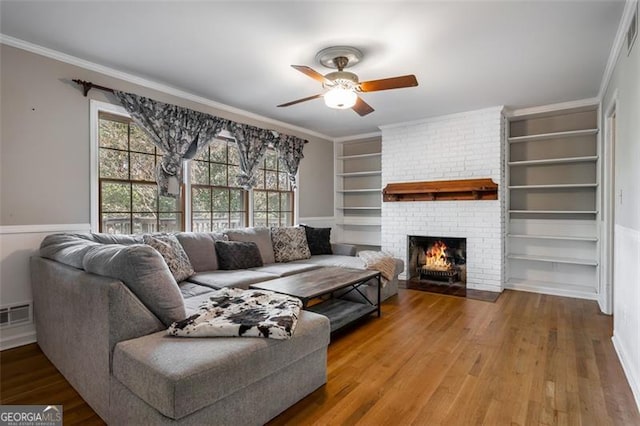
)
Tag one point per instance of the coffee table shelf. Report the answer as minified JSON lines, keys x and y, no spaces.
{"x":342,"y":312}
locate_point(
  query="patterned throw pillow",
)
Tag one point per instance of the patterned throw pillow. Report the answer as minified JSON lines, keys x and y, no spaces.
{"x":319,"y":240}
{"x":238,"y":255}
{"x":289,"y":243}
{"x":172,"y":253}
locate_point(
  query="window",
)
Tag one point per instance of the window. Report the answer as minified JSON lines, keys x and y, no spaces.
{"x":216,"y":202}
{"x":272,"y":196}
{"x":128,"y":194}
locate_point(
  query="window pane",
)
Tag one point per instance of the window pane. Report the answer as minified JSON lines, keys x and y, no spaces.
{"x":273,"y":201}
{"x":113,"y":134}
{"x":199,"y":172}
{"x":237,"y":220}
{"x":218,"y":174}
{"x":116,"y":223}
{"x":144,"y":198}
{"x":201,"y":199}
{"x":218,"y":152}
{"x":170,"y":204}
{"x":274,"y":219}
{"x":283,"y":182}
{"x":144,"y":223}
{"x":220,"y":200}
{"x":233,"y":153}
{"x":286,"y":219}
{"x":220,"y":221}
{"x":259,"y":201}
{"x":234,"y":171}
{"x":143,"y":167}
{"x":170,"y":222}
{"x":203,"y":155}
{"x":114,"y":164}
{"x":259,"y":218}
{"x":285,"y":201}
{"x":201,"y":222}
{"x":271,"y":180}
{"x":116,"y":197}
{"x":260,"y":179}
{"x":236,"y":202}
{"x":140,"y":141}
{"x":270,"y":160}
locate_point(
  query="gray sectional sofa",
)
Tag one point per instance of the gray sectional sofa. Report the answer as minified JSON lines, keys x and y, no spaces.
{"x":102,"y":304}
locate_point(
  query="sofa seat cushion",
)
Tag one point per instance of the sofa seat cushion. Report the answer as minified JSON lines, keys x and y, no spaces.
{"x":240,"y":278}
{"x":286,"y":269}
{"x":189,"y":289}
{"x":180,"y":376}
{"x":334,"y":260}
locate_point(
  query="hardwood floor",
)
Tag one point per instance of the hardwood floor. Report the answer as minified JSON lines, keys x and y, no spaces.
{"x":527,"y":359}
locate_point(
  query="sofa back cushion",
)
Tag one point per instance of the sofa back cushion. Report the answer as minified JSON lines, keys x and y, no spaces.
{"x":289,"y":243}
{"x":259,"y":235}
{"x":68,"y":249}
{"x":238,"y":255}
{"x":143,"y":270}
{"x":201,"y":249}
{"x":117,"y":238}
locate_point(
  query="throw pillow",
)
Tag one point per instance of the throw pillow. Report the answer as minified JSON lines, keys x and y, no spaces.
{"x":238,"y":255}
{"x":172,"y":253}
{"x":289,"y":243}
{"x":319,"y":240}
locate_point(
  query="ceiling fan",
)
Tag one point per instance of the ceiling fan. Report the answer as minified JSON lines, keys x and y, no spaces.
{"x":342,"y":87}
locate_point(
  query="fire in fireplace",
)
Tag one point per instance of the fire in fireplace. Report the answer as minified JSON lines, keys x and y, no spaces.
{"x":438,"y":260}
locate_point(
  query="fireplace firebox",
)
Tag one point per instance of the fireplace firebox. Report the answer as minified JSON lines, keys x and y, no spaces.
{"x":437,"y":261}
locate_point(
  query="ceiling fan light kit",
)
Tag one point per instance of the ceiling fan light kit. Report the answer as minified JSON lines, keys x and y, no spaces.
{"x":343,"y":86}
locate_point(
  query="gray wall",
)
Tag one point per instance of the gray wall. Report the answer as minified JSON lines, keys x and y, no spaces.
{"x":44,"y":151}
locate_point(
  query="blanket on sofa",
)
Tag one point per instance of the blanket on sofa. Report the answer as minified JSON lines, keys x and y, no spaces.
{"x":242,"y":313}
{"x":381,"y":262}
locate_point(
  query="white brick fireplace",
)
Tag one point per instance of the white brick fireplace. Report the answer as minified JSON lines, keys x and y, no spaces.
{"x":458,"y":146}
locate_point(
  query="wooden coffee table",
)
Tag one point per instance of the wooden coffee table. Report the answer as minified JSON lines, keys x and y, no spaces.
{"x":327,"y":281}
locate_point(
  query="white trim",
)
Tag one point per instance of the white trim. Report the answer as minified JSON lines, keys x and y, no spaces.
{"x":535,"y":288}
{"x":618,"y":42}
{"x":131,"y":78}
{"x":40,"y":229}
{"x":605,"y":299}
{"x":453,"y":116}
{"x":626,"y":367}
{"x":543,"y":109}
{"x":358,"y":137}
{"x":18,"y":340}
{"x":94,"y":109}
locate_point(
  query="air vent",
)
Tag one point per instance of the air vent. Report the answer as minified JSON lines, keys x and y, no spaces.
{"x":632,"y":32}
{"x":15,"y":315}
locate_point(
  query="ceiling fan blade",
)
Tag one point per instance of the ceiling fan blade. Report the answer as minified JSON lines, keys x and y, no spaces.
{"x":311,"y":73}
{"x":362,"y":108}
{"x":389,"y":83}
{"x":297,"y":101}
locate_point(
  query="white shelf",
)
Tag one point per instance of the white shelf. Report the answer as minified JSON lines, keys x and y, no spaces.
{"x":355,"y":174}
{"x":588,"y":159}
{"x":353,"y":157}
{"x":554,"y":211}
{"x":359,"y":208}
{"x":553,"y":259}
{"x":555,"y":186}
{"x":355,"y":191}
{"x":555,"y":135}
{"x":359,"y":221}
{"x":553,"y":237}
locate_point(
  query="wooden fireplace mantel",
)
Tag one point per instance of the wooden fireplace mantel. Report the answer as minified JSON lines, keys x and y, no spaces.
{"x":441,"y":190}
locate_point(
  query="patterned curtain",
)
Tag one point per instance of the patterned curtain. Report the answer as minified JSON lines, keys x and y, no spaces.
{"x":179,"y":132}
{"x":289,"y":150}
{"x":252,"y":143}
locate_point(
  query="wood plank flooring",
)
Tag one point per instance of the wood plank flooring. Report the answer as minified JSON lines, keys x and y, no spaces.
{"x":431,"y":359}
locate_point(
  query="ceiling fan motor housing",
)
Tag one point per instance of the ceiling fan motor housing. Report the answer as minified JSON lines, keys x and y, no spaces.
{"x":344,"y":79}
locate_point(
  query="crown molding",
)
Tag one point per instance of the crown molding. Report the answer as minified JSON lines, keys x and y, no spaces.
{"x":580,"y":103}
{"x":358,"y":137}
{"x":131,"y":78}
{"x":629,"y":8}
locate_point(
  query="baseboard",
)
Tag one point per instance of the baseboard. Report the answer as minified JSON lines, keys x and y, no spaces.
{"x":628,"y":372}
{"x":485,"y":287}
{"x":18,"y":340}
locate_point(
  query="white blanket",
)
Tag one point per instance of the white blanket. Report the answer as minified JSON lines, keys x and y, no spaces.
{"x":381,"y":262}
{"x":242,"y":313}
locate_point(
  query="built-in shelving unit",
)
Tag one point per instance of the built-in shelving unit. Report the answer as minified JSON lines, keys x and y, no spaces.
{"x":552,"y":202}
{"x":358,"y":191}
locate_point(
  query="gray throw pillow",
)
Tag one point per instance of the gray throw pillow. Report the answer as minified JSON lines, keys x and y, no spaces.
{"x":238,"y":255}
{"x":172,"y":253}
{"x":289,"y":243}
{"x":319,"y":240}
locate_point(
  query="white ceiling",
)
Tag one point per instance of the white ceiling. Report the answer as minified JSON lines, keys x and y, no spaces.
{"x":465,"y":54}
